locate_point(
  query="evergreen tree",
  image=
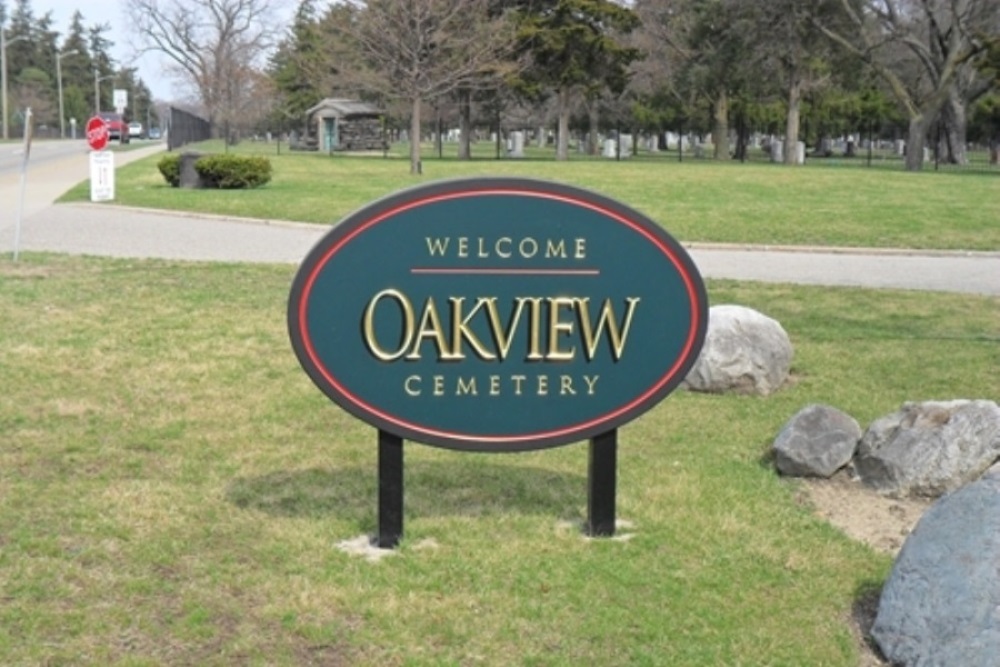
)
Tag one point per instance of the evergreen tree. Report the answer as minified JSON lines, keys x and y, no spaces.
{"x":100,"y":47}
{"x":575,"y":45}
{"x":77,"y":72}
{"x":20,"y":40}
{"x":298,"y":65}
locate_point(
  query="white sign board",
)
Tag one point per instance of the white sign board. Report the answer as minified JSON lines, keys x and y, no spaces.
{"x":102,"y":176}
{"x":121,"y":99}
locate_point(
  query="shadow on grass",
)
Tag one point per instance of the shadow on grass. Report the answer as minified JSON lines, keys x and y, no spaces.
{"x":863,"y":613}
{"x":431,"y":489}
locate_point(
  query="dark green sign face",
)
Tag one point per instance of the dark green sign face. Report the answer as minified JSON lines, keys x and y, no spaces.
{"x":497,"y":314}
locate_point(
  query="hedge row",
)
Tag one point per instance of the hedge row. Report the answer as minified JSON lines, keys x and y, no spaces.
{"x":227,"y":172}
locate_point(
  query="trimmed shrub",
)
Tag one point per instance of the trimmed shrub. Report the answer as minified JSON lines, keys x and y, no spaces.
{"x":233,"y":171}
{"x":170,"y":167}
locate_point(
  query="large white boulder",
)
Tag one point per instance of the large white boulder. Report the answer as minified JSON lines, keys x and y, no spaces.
{"x":745,"y":352}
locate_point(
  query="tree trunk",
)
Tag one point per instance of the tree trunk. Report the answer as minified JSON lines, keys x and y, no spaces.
{"x":415,"y":166}
{"x":593,"y":118}
{"x":720,"y":127}
{"x":792,"y":120}
{"x":464,"y":125}
{"x":915,"y":142}
{"x":562,"y":140}
{"x":955,"y":119}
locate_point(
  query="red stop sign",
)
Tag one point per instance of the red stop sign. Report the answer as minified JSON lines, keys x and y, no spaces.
{"x":97,"y":133}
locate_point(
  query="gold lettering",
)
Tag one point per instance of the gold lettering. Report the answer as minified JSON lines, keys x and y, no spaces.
{"x":517,"y":380}
{"x":437,"y":246}
{"x":543,"y":385}
{"x":506,"y":241}
{"x":591,"y":381}
{"x":368,"y":325}
{"x":581,"y":248}
{"x":439,"y":385}
{"x":494,"y":385}
{"x":408,"y":385}
{"x":466,"y":387}
{"x":483,"y":252}
{"x":617,"y":334}
{"x":463,"y":246}
{"x":460,"y":330}
{"x":503,"y":337}
{"x":534,"y":328}
{"x":430,"y":327}
{"x":566,"y":387}
{"x":557,"y":327}
{"x":554,"y":248}
{"x":528,"y":247}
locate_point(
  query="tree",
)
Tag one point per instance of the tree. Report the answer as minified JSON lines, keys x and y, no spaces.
{"x":77,"y":71}
{"x":794,"y":50}
{"x":711,"y":56}
{"x":919,"y":48}
{"x":103,"y":65}
{"x":214,"y":46}
{"x":298,"y":65}
{"x":421,"y":50}
{"x":20,"y":38}
{"x":576,"y":45}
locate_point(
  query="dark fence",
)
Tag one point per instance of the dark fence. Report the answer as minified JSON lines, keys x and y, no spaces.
{"x":186,"y":128}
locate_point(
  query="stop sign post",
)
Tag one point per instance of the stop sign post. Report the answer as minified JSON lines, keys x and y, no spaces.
{"x":102,"y":163}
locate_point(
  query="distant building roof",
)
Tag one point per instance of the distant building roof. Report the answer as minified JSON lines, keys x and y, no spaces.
{"x":343,"y":108}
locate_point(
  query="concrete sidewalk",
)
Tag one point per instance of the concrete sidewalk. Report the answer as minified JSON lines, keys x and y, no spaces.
{"x":106,"y":230}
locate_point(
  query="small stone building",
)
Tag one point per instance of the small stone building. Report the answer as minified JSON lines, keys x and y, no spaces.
{"x":345,"y":125}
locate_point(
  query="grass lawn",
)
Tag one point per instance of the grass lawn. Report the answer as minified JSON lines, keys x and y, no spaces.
{"x":695,"y":200}
{"x":172,"y":485}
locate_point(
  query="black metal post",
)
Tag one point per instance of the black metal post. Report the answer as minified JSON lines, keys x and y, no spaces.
{"x":390,"y":490}
{"x":602,"y":476}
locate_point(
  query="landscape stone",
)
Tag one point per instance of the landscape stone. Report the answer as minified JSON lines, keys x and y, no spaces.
{"x":941,"y":603}
{"x":189,"y":176}
{"x":817,"y":442}
{"x":745,"y":352}
{"x":929,"y":448}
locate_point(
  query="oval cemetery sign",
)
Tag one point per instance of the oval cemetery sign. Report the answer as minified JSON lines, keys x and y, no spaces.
{"x":497,"y":314}
{"x":97,"y":133}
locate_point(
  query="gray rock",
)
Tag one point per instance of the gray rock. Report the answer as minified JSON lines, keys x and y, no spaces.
{"x":817,"y":442}
{"x":941,"y":603}
{"x":928,"y":449}
{"x":744,"y":351}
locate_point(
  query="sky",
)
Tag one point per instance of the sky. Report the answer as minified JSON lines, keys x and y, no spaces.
{"x":151,"y":67}
{"x":109,"y":11}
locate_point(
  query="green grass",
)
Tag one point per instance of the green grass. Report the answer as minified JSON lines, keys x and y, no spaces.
{"x":696,"y":200}
{"x":172,"y":487}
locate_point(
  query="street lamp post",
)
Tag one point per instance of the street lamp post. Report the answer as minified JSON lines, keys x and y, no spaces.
{"x":62,"y":115}
{"x":97,"y":90}
{"x":3,"y":73}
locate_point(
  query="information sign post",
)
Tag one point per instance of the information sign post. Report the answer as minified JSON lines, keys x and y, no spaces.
{"x":102,"y":162}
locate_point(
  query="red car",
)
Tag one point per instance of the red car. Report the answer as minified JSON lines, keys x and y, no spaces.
{"x":117,"y":127}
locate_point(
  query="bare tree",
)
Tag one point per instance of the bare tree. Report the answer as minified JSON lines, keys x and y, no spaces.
{"x":919,"y":48}
{"x":215,"y":46}
{"x":420,"y":50}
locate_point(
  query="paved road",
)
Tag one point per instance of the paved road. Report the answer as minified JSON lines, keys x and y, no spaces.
{"x":100,"y":229}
